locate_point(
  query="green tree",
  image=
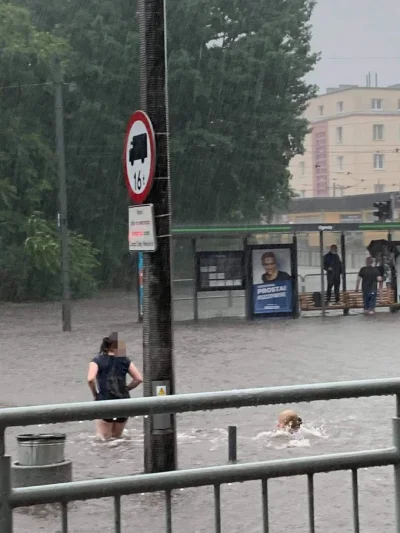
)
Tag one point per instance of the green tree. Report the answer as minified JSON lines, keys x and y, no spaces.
{"x":241,"y":122}
{"x":236,"y":91}
{"x":101,"y":92}
{"x":27,"y":161}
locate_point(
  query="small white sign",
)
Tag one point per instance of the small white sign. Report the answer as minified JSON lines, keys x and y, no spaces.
{"x":142,"y":237}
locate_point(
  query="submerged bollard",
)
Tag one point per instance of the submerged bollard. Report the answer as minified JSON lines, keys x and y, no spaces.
{"x":232,"y":444}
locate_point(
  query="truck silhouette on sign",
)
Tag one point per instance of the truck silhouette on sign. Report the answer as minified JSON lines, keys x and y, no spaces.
{"x":139,"y":148}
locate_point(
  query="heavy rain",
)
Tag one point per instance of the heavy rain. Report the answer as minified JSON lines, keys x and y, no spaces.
{"x":276,"y":195}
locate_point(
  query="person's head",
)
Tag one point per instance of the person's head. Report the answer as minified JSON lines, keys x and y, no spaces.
{"x":268,"y":260}
{"x":289,"y":420}
{"x":369,"y":261}
{"x":334,"y":249}
{"x":109,"y":344}
{"x":121,"y":350}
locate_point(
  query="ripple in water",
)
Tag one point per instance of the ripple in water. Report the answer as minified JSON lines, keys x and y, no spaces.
{"x":216,"y":437}
{"x":280,"y":439}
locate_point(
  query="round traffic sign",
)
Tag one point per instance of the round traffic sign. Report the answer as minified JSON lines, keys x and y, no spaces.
{"x":139,"y":156}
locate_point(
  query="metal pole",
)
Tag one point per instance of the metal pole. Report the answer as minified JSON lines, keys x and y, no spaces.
{"x":139,"y":284}
{"x":195,"y":295}
{"x":6,"y":521}
{"x":392,"y":207}
{"x":295,"y":277}
{"x":396,"y":443}
{"x":160,"y":448}
{"x":232,"y":444}
{"x":321,"y":259}
{"x":62,"y":190}
{"x":247,"y":277}
{"x":230,"y":299}
{"x":344,"y":275}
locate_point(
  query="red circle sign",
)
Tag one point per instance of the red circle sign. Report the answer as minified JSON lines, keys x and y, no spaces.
{"x":139,"y":157}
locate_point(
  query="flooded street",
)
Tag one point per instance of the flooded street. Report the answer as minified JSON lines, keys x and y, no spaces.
{"x":40,"y":364}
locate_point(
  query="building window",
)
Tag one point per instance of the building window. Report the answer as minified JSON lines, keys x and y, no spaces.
{"x":379,"y":187}
{"x":339,"y":107}
{"x":321,"y":110}
{"x":377,"y":104}
{"x":339,"y":135}
{"x":378,"y":131}
{"x":302,"y":168}
{"x":379,"y":161}
{"x":340,"y":159}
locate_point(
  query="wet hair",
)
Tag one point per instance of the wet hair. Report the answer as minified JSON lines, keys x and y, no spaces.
{"x":109,"y":343}
{"x":267,"y":255}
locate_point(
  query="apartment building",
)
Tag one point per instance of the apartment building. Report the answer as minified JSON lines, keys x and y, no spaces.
{"x":354,"y":144}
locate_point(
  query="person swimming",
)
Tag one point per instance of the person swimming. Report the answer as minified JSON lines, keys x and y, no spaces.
{"x":289,"y":421}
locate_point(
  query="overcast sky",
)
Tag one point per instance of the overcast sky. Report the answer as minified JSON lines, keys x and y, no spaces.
{"x":356,"y":36}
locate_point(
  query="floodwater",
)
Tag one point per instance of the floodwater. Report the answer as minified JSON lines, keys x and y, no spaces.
{"x":40,"y":364}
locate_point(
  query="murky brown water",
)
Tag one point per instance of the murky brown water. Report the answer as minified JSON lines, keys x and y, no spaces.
{"x":40,"y":364}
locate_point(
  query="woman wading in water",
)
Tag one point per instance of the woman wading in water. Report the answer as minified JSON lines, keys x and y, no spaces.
{"x":107,"y":381}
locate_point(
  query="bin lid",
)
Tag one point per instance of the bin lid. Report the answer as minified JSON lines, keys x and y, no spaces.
{"x":28,"y":437}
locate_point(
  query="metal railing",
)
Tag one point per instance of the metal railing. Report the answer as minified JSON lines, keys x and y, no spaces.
{"x":303,"y":279}
{"x":216,"y":476}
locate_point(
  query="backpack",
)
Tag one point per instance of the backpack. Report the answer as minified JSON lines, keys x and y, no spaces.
{"x":115,"y":383}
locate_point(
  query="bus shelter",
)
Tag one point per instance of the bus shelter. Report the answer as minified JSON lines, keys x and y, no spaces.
{"x":226,"y":262}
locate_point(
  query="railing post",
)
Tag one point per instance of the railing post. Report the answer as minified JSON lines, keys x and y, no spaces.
{"x":194,"y":286}
{"x":396,"y":443}
{"x":232,"y":444}
{"x":6,"y":525}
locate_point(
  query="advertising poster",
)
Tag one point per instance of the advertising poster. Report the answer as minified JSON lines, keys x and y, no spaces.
{"x":272,"y":281}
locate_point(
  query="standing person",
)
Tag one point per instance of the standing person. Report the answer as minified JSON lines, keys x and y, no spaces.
{"x":107,"y":381}
{"x":370,"y":277}
{"x":334,"y":269}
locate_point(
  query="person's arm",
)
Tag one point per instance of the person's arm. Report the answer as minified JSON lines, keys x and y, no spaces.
{"x":359,"y":278}
{"x":91,"y":378}
{"x":380,"y":281}
{"x":136,"y":376}
{"x":326,"y":262}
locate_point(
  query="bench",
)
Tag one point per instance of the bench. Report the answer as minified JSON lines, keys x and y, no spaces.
{"x":307,"y":302}
{"x":348,"y":300}
{"x":355,"y":299}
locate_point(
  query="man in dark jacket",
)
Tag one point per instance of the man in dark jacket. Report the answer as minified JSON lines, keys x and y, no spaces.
{"x":334,"y":269}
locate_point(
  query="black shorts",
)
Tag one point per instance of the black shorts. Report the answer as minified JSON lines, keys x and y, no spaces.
{"x":111,"y":420}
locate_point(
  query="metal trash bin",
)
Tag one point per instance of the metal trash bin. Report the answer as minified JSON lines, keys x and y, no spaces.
{"x":41,"y":449}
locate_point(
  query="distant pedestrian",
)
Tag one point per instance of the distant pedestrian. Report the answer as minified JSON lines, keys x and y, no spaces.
{"x":107,"y":381}
{"x":370,"y":277}
{"x":334,"y":269}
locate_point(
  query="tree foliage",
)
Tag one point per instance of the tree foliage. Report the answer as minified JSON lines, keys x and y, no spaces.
{"x":27,"y":165}
{"x":236,"y":91}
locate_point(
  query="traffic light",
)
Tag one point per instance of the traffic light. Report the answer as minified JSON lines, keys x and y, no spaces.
{"x":384,"y":210}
